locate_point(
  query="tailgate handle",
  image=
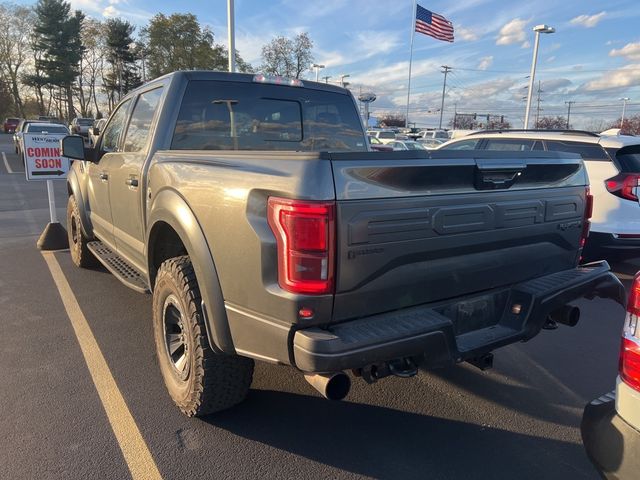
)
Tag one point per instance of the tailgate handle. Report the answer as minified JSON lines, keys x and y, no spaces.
{"x":494,"y":175}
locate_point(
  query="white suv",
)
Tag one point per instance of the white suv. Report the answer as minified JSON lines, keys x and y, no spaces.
{"x":613,"y":165}
{"x":611,"y":424}
{"x":385,"y":136}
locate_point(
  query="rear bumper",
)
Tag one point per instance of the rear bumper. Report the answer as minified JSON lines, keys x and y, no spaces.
{"x":426,"y":333}
{"x":611,"y":241}
{"x":611,"y":443}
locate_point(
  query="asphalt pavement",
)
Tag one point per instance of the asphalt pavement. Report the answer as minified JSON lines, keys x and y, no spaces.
{"x":519,"y":420}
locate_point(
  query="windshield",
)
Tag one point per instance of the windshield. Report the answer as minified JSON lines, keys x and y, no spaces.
{"x":219,"y":115}
{"x":441,"y":135}
{"x":386,"y":135}
{"x":85,"y":121}
{"x":35,"y":128}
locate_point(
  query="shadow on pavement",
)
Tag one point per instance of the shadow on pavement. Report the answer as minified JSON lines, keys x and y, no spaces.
{"x":389,"y":444}
{"x":524,"y":398}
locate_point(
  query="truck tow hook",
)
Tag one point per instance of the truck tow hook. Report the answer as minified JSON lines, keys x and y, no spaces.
{"x":403,"y":368}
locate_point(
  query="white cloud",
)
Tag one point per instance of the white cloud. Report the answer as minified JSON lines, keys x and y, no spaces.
{"x":588,"y":21}
{"x":627,"y":76}
{"x":110,"y":11}
{"x":526,"y":44}
{"x":466,"y":34}
{"x":630,"y":51}
{"x":512,"y":32}
{"x":485,"y":62}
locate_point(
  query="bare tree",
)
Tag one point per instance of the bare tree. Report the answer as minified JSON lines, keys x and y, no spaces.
{"x":287,"y":57}
{"x":91,"y":65}
{"x":392,"y":120}
{"x":17,"y":23}
{"x":552,"y":123}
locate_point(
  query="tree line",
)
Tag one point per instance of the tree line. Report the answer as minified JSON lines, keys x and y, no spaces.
{"x":61,"y":62}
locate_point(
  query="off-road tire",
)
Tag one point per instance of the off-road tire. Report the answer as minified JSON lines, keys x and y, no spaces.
{"x":213,"y":382}
{"x":80,"y":253}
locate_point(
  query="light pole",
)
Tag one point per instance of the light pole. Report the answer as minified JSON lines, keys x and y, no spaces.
{"x":326,"y":78}
{"x":342,"y":77}
{"x":231,"y":36}
{"x":624,"y":109}
{"x":538,"y":29}
{"x":317,"y":67}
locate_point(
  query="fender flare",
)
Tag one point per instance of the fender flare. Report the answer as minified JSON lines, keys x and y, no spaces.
{"x":73,"y":186}
{"x":171,"y":208}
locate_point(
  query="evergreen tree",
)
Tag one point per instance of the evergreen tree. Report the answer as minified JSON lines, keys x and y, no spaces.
{"x":58,"y":46}
{"x":123,"y":76}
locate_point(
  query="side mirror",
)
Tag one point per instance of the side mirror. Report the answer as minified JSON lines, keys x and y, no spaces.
{"x":72,"y":146}
{"x":96,"y":131}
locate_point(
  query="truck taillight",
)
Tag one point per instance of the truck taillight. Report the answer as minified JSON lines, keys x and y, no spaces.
{"x":624,"y":185}
{"x":305,"y":236}
{"x":630,"y":348}
{"x":588,"y":212}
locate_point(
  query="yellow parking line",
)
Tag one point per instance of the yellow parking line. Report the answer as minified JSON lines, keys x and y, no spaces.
{"x":135,"y":450}
{"x":6,"y":163}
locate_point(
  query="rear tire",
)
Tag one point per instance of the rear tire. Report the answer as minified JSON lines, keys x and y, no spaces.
{"x":199,"y":381}
{"x":80,"y":253}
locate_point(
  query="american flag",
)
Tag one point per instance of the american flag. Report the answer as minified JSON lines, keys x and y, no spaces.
{"x":433,"y":25}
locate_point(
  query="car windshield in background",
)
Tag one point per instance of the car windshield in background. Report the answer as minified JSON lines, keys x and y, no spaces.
{"x":35,"y":128}
{"x":85,"y":121}
{"x":218,"y":115}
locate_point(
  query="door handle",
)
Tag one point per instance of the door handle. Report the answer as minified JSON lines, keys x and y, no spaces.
{"x":104,"y":176}
{"x":132,"y":182}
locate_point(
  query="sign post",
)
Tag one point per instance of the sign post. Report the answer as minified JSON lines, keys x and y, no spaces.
{"x":43,"y":161}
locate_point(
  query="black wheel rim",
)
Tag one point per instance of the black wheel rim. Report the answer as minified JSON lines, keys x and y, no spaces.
{"x":74,"y":230}
{"x":175,"y":340}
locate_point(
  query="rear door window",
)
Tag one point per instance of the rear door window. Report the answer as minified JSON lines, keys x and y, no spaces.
{"x":464,"y":145}
{"x":509,"y":144}
{"x":588,"y":151}
{"x":219,"y":115}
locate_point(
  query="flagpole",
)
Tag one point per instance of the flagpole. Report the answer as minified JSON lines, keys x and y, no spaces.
{"x":413,"y":31}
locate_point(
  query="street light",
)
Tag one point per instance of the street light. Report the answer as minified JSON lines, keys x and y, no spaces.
{"x":538,"y":29}
{"x":342,"y":77}
{"x":317,"y":67}
{"x":624,"y":108}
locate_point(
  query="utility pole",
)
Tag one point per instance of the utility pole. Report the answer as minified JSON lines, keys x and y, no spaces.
{"x":538,"y":109}
{"x":568,"y":104}
{"x":326,"y":78}
{"x":446,"y":70}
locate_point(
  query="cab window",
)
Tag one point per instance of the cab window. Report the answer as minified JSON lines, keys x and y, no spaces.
{"x":141,"y":118}
{"x":114,"y":128}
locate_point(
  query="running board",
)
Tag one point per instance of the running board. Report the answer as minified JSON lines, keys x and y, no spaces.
{"x":122,"y":270}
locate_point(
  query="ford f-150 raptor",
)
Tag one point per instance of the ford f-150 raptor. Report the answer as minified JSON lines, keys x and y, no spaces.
{"x":252,"y":209}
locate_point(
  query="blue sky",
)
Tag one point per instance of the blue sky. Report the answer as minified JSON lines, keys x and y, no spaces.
{"x":592,"y":59}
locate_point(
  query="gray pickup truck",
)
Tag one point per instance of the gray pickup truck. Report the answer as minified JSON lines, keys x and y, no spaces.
{"x":253,"y":211}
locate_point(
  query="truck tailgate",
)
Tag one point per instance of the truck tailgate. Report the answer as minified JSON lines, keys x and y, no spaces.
{"x":415,"y":228}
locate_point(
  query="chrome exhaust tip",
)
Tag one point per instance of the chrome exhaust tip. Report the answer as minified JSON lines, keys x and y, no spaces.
{"x":332,"y":386}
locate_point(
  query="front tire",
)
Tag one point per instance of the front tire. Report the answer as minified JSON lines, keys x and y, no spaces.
{"x":80,"y":253}
{"x":199,"y":381}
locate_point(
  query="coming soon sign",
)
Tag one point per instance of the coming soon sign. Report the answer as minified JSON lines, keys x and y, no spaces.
{"x":43,"y":159}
